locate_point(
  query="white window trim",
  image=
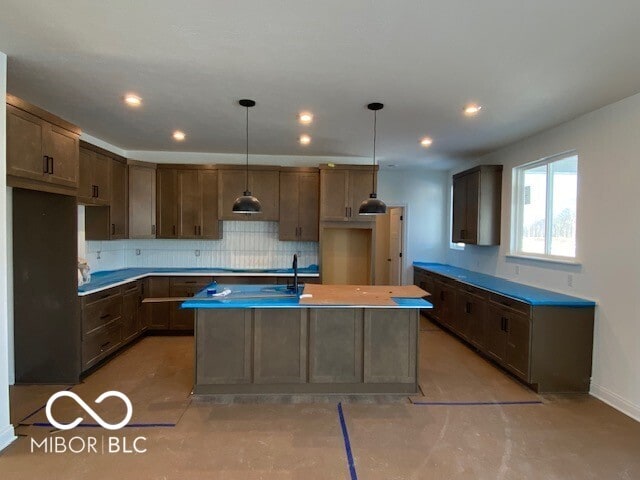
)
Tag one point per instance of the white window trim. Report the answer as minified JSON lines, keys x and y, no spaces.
{"x":517,"y":207}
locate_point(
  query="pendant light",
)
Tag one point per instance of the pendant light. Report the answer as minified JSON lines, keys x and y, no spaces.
{"x":247,"y":203}
{"x":373,"y":205}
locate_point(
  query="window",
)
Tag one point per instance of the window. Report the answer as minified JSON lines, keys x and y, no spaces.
{"x":545,"y":195}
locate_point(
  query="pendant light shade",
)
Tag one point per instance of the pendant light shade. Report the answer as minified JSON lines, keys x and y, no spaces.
{"x":247,"y":203}
{"x":373,"y":205}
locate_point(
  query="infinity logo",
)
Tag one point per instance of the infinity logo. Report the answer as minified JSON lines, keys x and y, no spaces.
{"x":89,"y":410}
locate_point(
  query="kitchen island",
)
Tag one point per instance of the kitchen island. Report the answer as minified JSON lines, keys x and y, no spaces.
{"x":270,"y":340}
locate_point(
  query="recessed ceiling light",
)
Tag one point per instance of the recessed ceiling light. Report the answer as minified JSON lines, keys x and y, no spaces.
{"x":132,"y":100}
{"x":472,"y":109}
{"x":426,"y":142}
{"x":305,"y":139}
{"x":179,"y":136}
{"x":305,"y":118}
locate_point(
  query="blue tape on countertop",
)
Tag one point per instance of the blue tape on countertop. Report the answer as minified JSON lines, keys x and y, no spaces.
{"x":531,"y":295}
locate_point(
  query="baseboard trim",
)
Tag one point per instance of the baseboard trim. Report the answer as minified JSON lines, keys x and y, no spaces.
{"x":7,"y":435}
{"x":616,"y":401}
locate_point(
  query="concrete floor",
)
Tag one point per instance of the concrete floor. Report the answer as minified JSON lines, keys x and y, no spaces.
{"x":474,"y":422}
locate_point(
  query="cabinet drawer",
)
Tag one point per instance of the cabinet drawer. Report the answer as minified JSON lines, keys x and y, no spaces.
{"x":101,"y":313}
{"x":132,"y":287}
{"x":100,"y":343}
{"x":516,"y":305}
{"x":103,"y":295}
{"x":188,"y":286}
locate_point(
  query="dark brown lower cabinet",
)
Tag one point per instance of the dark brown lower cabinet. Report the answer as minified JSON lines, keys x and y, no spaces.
{"x":182,"y":287}
{"x":547,"y":347}
{"x":110,"y":319}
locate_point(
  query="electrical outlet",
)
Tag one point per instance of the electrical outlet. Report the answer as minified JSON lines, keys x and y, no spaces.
{"x":197,"y":253}
{"x":570,"y":280}
{"x":517,"y":269}
{"x":138,"y":252}
{"x":98,"y":254}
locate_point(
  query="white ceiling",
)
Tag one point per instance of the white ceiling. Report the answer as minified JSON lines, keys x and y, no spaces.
{"x":531,"y":65}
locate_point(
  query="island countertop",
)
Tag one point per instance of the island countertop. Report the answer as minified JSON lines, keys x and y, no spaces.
{"x":268,"y":296}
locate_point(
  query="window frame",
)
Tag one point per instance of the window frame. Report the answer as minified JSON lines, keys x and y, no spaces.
{"x":518,"y":209}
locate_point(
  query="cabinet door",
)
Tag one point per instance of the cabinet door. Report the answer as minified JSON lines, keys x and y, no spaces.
{"x":102,"y":178}
{"x":142,"y":202}
{"x":308,"y":199}
{"x":360,"y":187}
{"x":289,"y":206}
{"x":210,"y":226}
{"x":158,"y":313}
{"x":167,"y":198}
{"x":118,"y":206}
{"x":280,"y":345}
{"x":469,"y":317}
{"x":335,"y":345}
{"x":459,"y":209}
{"x":390,"y":342}
{"x":63,"y":148}
{"x":130,"y":315}
{"x":25,"y":156}
{"x":265,"y":185}
{"x":518,"y":329}
{"x":495,"y":336}
{"x":334,"y":201}
{"x":473,"y":204}
{"x":446,"y":305}
{"x":231,"y":185}
{"x":86,"y":187}
{"x":189,"y":204}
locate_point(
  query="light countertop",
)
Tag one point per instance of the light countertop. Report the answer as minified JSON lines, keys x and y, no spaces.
{"x":113,"y":278}
{"x":531,"y":295}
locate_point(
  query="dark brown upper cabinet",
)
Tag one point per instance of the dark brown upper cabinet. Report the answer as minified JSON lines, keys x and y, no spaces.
{"x":299,"y":205}
{"x":477,"y":205}
{"x":342,"y":189}
{"x":142,"y":200}
{"x":264,"y":184}
{"x":95,"y":177}
{"x":42,"y":149}
{"x":188,"y":202}
{"x":104,"y":190}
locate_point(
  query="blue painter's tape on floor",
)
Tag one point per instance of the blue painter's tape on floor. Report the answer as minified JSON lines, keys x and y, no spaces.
{"x":95,"y":425}
{"x":347,"y":443}
{"x":41,"y":408}
{"x":447,"y":404}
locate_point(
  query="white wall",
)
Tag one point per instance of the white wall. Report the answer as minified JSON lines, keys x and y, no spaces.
{"x":423,"y":192}
{"x":6,"y":429}
{"x":608,"y":228}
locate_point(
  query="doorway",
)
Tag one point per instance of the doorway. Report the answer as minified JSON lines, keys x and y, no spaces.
{"x":390,"y":247}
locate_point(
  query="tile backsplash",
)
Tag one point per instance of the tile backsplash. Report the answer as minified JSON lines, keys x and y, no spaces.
{"x":244,"y":245}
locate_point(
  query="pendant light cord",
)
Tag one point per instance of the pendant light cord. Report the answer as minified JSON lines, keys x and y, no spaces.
{"x":373,"y":174}
{"x":247,"y":150}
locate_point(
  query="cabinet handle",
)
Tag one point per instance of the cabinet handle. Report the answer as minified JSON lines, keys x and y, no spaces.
{"x":504,"y":324}
{"x":200,"y":230}
{"x":349,"y":212}
{"x":51,"y":163}
{"x":97,"y":191}
{"x":153,"y":229}
{"x":174,"y":230}
{"x":113,"y":229}
{"x":467,"y":308}
{"x":105,"y":316}
{"x":45,"y":164}
{"x":346,"y":212}
{"x":104,"y":346}
{"x":195,"y":230}
{"x":300,"y":234}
